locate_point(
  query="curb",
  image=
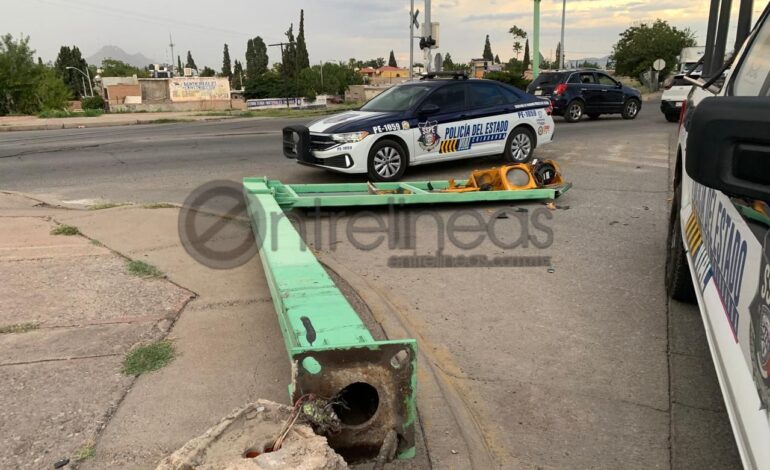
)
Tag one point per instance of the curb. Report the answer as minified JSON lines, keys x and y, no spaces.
{"x":132,"y":122}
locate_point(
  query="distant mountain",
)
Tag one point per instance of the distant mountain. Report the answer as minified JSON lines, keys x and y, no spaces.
{"x":114,"y":52}
{"x":602,"y":61}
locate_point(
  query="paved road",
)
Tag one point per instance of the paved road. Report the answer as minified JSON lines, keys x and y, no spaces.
{"x":579,"y":368}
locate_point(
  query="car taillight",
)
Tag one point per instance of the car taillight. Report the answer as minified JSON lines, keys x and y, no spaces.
{"x":681,"y":114}
{"x":560,"y":89}
{"x":549,"y":110}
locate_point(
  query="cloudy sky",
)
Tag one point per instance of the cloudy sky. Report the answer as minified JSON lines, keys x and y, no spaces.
{"x":335,"y":29}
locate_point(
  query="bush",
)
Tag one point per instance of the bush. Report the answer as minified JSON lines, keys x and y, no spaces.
{"x":27,"y":87}
{"x":509,"y":78}
{"x":93,"y":102}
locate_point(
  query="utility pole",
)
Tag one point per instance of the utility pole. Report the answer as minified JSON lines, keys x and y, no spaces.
{"x":411,"y":39}
{"x":171,"y":45}
{"x":427,"y":32}
{"x":281,"y":44}
{"x":536,"y":42}
{"x":561,"y":50}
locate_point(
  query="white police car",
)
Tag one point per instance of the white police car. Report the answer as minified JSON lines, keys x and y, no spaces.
{"x":426,"y":121}
{"x":719,"y":232}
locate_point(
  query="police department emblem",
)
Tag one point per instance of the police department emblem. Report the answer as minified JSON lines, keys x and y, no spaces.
{"x":429,"y":137}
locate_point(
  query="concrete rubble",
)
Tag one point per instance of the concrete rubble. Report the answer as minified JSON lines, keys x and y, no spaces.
{"x":239,"y":441}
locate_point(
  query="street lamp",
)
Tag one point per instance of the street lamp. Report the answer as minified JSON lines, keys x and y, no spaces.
{"x":87,"y":74}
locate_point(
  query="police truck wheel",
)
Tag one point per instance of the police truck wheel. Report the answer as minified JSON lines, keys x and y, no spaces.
{"x":574,"y":111}
{"x":520,"y":145}
{"x":678,"y":281}
{"x":631,"y":109}
{"x":387,"y":161}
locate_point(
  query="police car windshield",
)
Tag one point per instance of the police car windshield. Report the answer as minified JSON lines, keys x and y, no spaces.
{"x":398,"y":98}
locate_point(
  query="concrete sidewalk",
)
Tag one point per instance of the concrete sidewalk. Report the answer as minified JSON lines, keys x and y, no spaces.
{"x":69,"y":312}
{"x":33,"y":123}
{"x":230,"y":350}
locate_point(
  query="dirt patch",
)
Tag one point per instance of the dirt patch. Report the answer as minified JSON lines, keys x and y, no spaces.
{"x":243,"y":440}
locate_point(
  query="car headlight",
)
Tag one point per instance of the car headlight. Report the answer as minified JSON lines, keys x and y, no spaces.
{"x":349,"y":137}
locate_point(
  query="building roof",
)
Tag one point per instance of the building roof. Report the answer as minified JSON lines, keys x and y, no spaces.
{"x":389,"y":68}
{"x":367,"y":70}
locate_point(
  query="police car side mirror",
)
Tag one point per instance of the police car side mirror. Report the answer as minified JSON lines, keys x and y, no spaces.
{"x":428,"y":109}
{"x":728,"y":145}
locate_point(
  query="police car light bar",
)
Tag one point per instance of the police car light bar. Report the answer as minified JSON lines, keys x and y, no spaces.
{"x":454,"y":75}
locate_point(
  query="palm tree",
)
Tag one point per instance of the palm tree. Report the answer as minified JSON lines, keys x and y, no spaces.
{"x":517,"y":49}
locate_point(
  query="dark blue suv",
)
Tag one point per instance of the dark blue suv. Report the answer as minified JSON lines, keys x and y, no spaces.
{"x":574,"y":93}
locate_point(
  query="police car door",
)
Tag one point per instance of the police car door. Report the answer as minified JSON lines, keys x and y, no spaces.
{"x":432,"y":129}
{"x":488,"y":123}
{"x":728,"y":240}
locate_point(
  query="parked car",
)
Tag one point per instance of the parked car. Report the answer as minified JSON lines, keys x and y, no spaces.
{"x":427,"y":121}
{"x":574,"y":93}
{"x":675,"y":91}
{"x":719,"y":231}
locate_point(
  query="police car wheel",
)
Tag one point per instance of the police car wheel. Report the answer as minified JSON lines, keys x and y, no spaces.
{"x":520,"y":145}
{"x":574,"y":111}
{"x":678,"y":281}
{"x":387,"y":161}
{"x":631,"y":109}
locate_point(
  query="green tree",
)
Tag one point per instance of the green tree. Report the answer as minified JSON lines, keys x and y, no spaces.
{"x":26,"y":86}
{"x":517,"y":34}
{"x":190,"y":61}
{"x":510,"y":78}
{"x":487,"y":55}
{"x":289,"y":65}
{"x":526,"y":60}
{"x":71,"y":57}
{"x":237,"y":81}
{"x":303,"y":59}
{"x":447,"y":64}
{"x":251,"y":60}
{"x":227,"y":69}
{"x":179,"y":68}
{"x":207,"y":72}
{"x":374,"y":63}
{"x":392,"y":60}
{"x":588,"y":65}
{"x":640,"y":45}
{"x":261,"y":59}
{"x":117,"y":68}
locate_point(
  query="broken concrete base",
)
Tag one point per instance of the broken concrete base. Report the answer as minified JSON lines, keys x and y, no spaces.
{"x":238,"y":442}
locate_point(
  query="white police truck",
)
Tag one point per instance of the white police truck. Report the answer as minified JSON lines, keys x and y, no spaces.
{"x":432,"y":120}
{"x":719,"y":235}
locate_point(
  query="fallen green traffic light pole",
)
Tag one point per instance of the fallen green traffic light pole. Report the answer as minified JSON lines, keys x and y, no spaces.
{"x":333,"y":354}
